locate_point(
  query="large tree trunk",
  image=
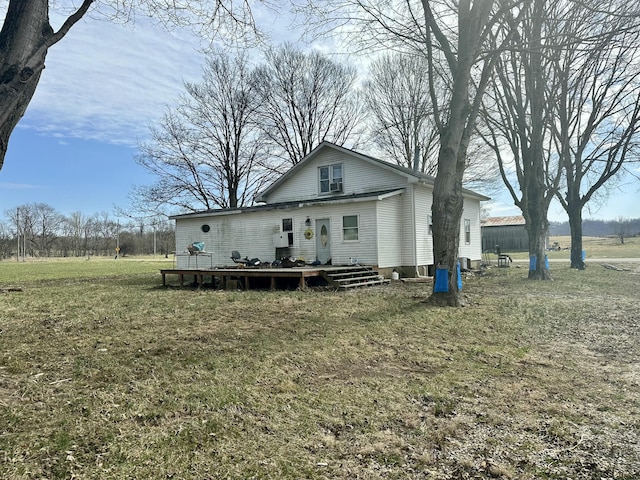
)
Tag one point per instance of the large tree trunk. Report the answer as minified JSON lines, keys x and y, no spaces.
{"x":535,"y":213}
{"x":535,"y":184}
{"x":537,"y":227}
{"x":447,"y":212}
{"x":25,"y":30}
{"x":25,"y":38}
{"x":574,"y":211}
{"x":447,"y":194}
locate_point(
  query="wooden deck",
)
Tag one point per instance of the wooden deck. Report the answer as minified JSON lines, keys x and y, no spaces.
{"x":248,"y":277}
{"x":245,"y":275}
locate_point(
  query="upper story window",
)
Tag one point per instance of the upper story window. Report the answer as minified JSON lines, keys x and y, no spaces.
{"x":331,"y":178}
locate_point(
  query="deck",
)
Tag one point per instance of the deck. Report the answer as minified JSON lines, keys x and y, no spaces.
{"x":247,"y":277}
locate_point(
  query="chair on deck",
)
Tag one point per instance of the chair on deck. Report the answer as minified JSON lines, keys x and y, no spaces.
{"x":235,"y":256}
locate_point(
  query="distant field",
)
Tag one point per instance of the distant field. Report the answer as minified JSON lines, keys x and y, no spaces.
{"x":60,"y":268}
{"x":106,"y":375}
{"x":595,"y":247}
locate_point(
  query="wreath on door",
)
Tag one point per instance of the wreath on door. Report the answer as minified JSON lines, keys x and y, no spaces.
{"x":308,"y":234}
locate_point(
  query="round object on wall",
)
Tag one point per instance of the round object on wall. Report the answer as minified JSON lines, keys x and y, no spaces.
{"x":205,"y":228}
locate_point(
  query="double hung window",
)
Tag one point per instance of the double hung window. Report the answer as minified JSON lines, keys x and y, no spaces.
{"x":350,"y":228}
{"x":330,"y":178}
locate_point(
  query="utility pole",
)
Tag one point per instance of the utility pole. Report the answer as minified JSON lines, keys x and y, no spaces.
{"x":18,"y":233}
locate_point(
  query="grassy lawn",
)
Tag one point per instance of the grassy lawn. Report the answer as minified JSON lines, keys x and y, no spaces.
{"x":104,"y":374}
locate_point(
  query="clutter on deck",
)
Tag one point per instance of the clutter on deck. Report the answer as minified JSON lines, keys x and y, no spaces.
{"x":249,"y":273}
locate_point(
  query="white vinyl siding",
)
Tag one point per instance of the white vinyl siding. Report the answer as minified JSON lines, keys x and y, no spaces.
{"x":424,"y":241}
{"x":251,"y":233}
{"x":472,"y":250}
{"x":358,"y":176}
{"x":390,"y":231}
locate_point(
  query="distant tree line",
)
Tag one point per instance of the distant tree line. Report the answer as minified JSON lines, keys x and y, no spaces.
{"x":38,"y":230}
{"x":601,"y":228}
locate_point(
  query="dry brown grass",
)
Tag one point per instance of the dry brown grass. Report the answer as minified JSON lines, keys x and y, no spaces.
{"x":110,"y":376}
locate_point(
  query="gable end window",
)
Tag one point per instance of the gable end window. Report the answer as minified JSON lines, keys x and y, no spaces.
{"x":330,"y":177}
{"x":467,"y":231}
{"x":350,"y":228}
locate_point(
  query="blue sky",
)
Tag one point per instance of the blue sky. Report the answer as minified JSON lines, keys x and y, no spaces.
{"x":103,"y":86}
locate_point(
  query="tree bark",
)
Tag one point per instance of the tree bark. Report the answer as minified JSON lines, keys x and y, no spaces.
{"x":455,"y":136}
{"x":25,"y":38}
{"x":537,"y":227}
{"x":574,"y":211}
{"x":447,"y":212}
{"x":535,"y":191}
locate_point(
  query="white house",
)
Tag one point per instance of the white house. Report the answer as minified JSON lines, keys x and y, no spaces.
{"x":336,"y":206}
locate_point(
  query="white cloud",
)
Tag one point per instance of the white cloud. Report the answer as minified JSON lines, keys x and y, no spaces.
{"x":18,"y":186}
{"x":109,"y":82}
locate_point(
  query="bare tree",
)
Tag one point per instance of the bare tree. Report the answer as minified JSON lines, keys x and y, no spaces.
{"x":7,"y":240}
{"x":597,"y":125}
{"x":75,"y":228}
{"x":566,"y":103}
{"x":25,"y":39}
{"x":27,"y":35}
{"x":308,"y":99}
{"x":460,"y":42}
{"x":47,"y":224}
{"x":622,"y":227}
{"x":523,"y":93}
{"x":38,"y":226}
{"x":207,"y":152}
{"x":397,"y":95}
{"x":470,"y":53}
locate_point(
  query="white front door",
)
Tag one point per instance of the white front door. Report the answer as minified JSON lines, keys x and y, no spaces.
{"x":323,"y":243}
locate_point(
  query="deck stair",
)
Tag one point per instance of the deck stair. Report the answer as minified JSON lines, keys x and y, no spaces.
{"x":354,"y":276}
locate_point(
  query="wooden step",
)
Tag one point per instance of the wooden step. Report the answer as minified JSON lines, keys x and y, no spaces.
{"x":359,"y":279}
{"x":364,"y":284}
{"x":352,"y":276}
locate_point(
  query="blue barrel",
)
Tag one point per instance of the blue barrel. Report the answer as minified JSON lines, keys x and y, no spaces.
{"x":534,"y":258}
{"x":459,"y":277}
{"x":441,"y":282}
{"x":584,"y":255}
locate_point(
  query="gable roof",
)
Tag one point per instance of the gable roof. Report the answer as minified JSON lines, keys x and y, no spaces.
{"x":411,"y":175}
{"x":359,"y":197}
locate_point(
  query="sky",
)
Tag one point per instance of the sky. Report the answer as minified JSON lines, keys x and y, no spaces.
{"x":104,"y":85}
